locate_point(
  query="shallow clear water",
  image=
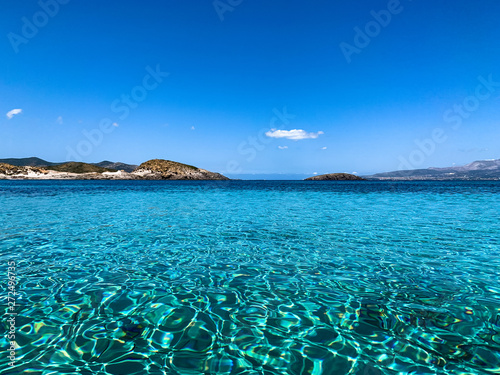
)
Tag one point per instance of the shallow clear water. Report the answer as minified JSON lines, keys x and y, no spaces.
{"x":137,"y":277}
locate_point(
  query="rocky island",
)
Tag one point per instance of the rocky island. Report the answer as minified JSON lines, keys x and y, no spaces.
{"x":159,"y":169}
{"x":335,"y":177}
{"x":156,"y":169}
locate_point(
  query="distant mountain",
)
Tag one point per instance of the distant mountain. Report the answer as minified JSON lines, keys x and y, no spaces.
{"x":480,"y":165}
{"x":27,"y":162}
{"x":117,"y":166}
{"x":477,"y":170}
{"x":335,"y":177}
{"x":76,"y":167}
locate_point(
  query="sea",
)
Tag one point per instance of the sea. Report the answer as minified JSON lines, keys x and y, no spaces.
{"x":250,"y":277}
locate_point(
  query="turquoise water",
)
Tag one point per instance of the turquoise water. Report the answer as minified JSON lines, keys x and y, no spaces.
{"x":138,"y":277}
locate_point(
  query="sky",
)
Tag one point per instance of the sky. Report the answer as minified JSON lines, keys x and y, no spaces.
{"x":252,"y":87}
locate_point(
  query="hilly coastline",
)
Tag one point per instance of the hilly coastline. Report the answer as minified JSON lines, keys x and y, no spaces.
{"x":477,"y":170}
{"x":156,"y":169}
{"x":160,"y":169}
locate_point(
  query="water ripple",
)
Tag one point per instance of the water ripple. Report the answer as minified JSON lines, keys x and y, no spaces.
{"x":253,"y":277}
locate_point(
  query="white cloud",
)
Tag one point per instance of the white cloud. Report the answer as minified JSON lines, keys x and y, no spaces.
{"x":315,"y":173}
{"x":324,"y":148}
{"x":192,"y":127}
{"x":294,"y":134}
{"x":13,"y":112}
{"x":115,"y":124}
{"x":59,"y":120}
{"x":282,"y":147}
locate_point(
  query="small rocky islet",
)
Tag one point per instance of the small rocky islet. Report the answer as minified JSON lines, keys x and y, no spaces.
{"x":335,"y":177}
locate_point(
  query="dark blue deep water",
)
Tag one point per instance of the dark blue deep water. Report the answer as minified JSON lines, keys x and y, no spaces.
{"x":250,"y":277}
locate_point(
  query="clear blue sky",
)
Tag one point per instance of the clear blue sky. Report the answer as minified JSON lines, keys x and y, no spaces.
{"x":358,"y":102}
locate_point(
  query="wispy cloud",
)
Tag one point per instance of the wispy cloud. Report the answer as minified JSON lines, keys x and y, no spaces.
{"x":59,"y":120}
{"x":324,"y":148}
{"x":192,"y":128}
{"x":13,"y":112}
{"x":294,"y":134}
{"x":115,"y":124}
{"x":282,"y":147}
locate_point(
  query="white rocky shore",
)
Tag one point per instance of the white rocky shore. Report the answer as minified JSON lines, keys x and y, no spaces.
{"x":30,"y":174}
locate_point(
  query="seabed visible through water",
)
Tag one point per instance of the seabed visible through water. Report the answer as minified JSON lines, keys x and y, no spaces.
{"x":251,"y":277}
